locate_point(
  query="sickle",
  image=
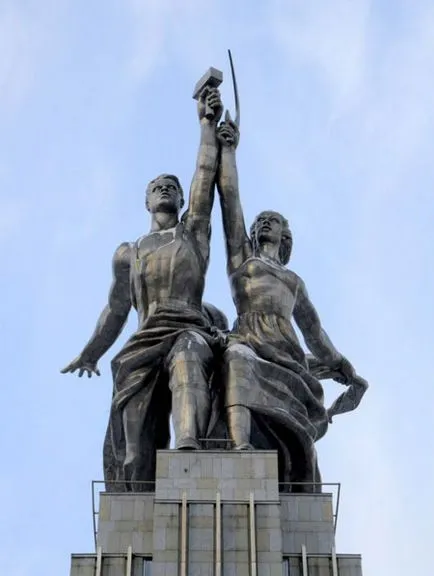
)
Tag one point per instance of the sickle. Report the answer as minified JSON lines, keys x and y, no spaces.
{"x":234,"y":82}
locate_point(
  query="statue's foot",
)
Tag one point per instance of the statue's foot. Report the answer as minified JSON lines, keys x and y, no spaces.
{"x":245,"y":446}
{"x":188,"y":443}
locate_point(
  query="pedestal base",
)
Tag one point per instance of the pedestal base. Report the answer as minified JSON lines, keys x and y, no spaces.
{"x":216,"y":514}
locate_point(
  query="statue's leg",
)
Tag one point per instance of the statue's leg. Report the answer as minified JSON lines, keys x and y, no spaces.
{"x":189,"y":366}
{"x":133,"y":416}
{"x":239,"y":423}
{"x":237,"y":370}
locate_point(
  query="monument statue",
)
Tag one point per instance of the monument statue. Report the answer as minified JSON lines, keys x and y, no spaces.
{"x":181,"y":361}
{"x":272,"y":398}
{"x":166,"y":366}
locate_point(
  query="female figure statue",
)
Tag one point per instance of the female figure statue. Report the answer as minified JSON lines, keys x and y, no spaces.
{"x":272,"y":399}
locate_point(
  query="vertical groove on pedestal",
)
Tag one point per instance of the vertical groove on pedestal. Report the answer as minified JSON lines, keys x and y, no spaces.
{"x":184,"y":538}
{"x":129,"y":561}
{"x":334,"y":562}
{"x":218,"y":536}
{"x":304,"y":560}
{"x":252,"y":535}
{"x":98,"y":561}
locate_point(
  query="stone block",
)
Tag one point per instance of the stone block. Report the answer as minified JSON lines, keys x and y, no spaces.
{"x":265,"y":570}
{"x":113,"y":566}
{"x":201,"y":539}
{"x":217,"y":467}
{"x":113,"y":543}
{"x":319,"y":566}
{"x":159,"y":538}
{"x":304,"y":507}
{"x":204,"y":556}
{"x":207,"y":468}
{"x":275,"y":569}
{"x":237,"y":569}
{"x":82,"y":565}
{"x":104,"y":508}
{"x":349,"y":565}
{"x":138,"y":542}
{"x":326,"y":542}
{"x":299,"y":541}
{"x":161,"y":556}
{"x":172,"y":539}
{"x":312,"y":542}
{"x":116,"y":508}
{"x":171,"y":569}
{"x":227,"y":466}
{"x":202,"y":474}
{"x":162,"y":468}
{"x":200,"y":569}
{"x":288,"y":543}
{"x":327,"y":511}
{"x":275,"y":536}
{"x":125,"y":540}
{"x":127,"y":510}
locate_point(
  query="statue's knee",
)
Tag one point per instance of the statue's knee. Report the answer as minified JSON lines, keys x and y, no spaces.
{"x":190,"y":362}
{"x":236,"y":353}
{"x":190,"y":347}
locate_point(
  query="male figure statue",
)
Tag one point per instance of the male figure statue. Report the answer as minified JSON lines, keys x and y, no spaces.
{"x":272,"y":399}
{"x":167,"y":363}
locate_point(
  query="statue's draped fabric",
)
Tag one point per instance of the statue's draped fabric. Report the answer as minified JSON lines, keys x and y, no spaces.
{"x":138,"y":371}
{"x":268,"y":374}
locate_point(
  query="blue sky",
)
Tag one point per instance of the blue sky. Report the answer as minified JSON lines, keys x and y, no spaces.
{"x":337,"y":128}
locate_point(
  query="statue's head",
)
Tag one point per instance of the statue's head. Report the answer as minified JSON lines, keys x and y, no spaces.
{"x":164,"y":194}
{"x":271,"y":227}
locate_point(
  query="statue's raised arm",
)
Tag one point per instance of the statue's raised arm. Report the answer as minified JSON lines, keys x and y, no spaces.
{"x":198,"y":215}
{"x":238,"y":244}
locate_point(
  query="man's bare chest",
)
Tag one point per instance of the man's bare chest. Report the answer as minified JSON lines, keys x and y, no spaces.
{"x":168,"y":250}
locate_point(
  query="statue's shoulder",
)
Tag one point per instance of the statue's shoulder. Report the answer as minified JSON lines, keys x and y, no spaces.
{"x":216,"y":316}
{"x":295,"y":279}
{"x":122,"y":253}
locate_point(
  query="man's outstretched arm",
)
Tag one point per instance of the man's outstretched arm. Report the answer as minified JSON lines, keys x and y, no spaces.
{"x":315,"y":337}
{"x":198,"y":216}
{"x":112,"y":318}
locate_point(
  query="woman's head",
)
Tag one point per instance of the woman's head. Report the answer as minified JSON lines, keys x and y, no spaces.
{"x":273,"y":228}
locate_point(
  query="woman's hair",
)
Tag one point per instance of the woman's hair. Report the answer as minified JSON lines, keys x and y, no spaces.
{"x":286,"y":241}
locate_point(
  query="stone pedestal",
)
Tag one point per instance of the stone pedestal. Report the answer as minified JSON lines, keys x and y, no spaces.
{"x":216,"y":513}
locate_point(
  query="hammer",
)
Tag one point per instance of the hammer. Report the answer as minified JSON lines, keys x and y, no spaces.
{"x":211,"y":79}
